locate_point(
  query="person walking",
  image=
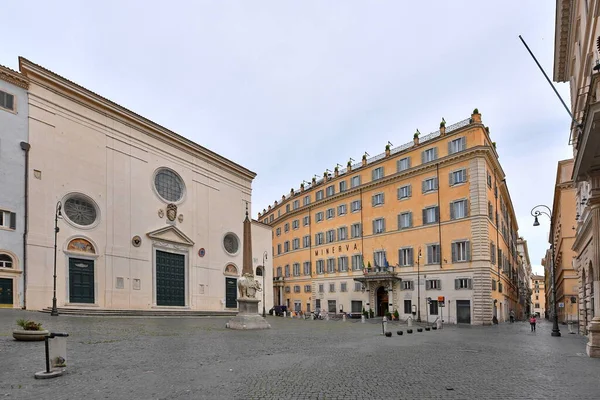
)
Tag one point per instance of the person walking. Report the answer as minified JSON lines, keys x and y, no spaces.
{"x":532,"y":322}
{"x":512,"y":316}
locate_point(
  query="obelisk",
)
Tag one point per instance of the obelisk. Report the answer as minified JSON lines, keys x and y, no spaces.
{"x":248,"y":316}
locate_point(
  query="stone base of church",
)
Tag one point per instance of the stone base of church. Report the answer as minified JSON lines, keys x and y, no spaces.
{"x":248,"y":317}
{"x":593,"y":345}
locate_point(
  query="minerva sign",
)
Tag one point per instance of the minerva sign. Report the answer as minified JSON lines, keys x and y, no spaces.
{"x":332,"y":249}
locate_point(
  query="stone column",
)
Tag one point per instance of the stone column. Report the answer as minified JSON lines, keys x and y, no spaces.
{"x":593,"y":345}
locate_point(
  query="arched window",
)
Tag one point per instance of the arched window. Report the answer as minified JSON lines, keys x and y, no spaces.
{"x":6,"y":261}
{"x":259,"y":271}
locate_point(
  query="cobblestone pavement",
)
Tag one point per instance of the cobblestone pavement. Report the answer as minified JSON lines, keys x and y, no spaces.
{"x":197,"y":358}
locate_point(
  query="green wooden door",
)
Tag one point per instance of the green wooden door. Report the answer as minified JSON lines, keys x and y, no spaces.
{"x":170,"y":279}
{"x":81,"y":281}
{"x":6,"y":292}
{"x":230,"y":292}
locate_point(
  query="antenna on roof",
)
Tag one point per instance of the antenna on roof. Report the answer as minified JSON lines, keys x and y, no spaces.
{"x":390,"y":143}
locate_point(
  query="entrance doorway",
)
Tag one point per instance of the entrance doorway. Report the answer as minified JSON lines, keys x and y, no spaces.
{"x":463,"y":311}
{"x":81,"y":281}
{"x":382,"y":301}
{"x":6,"y":292}
{"x":170,"y":279}
{"x":230,"y":292}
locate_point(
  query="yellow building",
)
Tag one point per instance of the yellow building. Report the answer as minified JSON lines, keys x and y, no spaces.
{"x":538,"y":295}
{"x":432,"y":218}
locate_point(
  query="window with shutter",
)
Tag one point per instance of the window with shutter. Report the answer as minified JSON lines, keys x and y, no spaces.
{"x":7,"y":101}
{"x":13,"y":221}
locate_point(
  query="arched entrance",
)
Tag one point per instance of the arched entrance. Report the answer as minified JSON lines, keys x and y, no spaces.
{"x":382,"y":301}
{"x":82,"y":272}
{"x":231,"y":275}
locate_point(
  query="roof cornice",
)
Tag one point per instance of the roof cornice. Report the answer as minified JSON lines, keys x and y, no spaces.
{"x":44,"y":77}
{"x":14,"y":77}
{"x":561,"y":39}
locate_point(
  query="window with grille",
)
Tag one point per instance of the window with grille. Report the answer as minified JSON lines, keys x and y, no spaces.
{"x":357,"y":287}
{"x":297,"y":289}
{"x":332,"y":289}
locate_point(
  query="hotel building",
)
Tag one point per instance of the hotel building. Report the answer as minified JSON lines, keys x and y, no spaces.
{"x":426,"y":229}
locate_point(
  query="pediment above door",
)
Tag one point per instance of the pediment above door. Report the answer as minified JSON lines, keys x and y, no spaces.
{"x":170,"y":234}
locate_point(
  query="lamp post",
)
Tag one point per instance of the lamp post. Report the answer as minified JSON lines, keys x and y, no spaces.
{"x":419,"y":286}
{"x":264,"y":288}
{"x":57,"y":215}
{"x":536,"y":213}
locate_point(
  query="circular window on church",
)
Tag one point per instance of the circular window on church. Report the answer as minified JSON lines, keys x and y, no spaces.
{"x":169,"y":185}
{"x":231,"y":243}
{"x":80,"y":210}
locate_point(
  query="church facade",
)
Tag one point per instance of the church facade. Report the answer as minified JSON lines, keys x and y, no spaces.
{"x":145,"y":218}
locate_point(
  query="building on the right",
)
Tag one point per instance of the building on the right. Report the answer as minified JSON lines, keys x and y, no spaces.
{"x":576,"y":61}
{"x":525,"y":291}
{"x":538,"y":295}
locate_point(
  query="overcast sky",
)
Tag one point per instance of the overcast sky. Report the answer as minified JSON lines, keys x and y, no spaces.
{"x":288,"y":89}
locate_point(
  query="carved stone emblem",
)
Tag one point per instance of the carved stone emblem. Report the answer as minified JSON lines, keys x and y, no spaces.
{"x":180,"y":218}
{"x":171,"y":212}
{"x":136,"y":241}
{"x":161,"y":213}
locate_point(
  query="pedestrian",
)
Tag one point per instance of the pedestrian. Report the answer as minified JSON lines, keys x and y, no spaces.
{"x":512,"y":316}
{"x":532,"y":322}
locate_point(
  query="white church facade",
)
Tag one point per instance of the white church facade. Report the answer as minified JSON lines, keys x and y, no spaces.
{"x":147,"y":219}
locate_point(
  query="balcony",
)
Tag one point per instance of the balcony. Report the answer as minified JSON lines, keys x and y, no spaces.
{"x":390,"y":273}
{"x":587,"y":143}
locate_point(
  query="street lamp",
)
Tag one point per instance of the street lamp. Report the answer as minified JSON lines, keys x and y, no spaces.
{"x":536,"y":213}
{"x":419,"y":286}
{"x":264,"y":288}
{"x":57,"y":215}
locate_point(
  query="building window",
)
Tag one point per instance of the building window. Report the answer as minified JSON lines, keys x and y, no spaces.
{"x":306,"y":220}
{"x":7,"y":101}
{"x":271,"y":217}
{"x":404,"y":192}
{"x":296,"y":269}
{"x":319,"y":195}
{"x":429,"y":155}
{"x":490,"y":211}
{"x":537,"y":297}
{"x":168,"y":185}
{"x":330,"y":191}
{"x":457,"y":145}
{"x":306,"y":241}
{"x":537,"y":305}
{"x":433,"y":307}
{"x":307,"y":288}
{"x":6,"y":261}
{"x":379,"y":258}
{"x":331,"y":306}
{"x":461,"y":251}
{"x":287,"y":208}
{"x":405,"y":257}
{"x":493,"y":284}
{"x":377,"y":173}
{"x":330,"y":237}
{"x":287,"y":271}
{"x":278,"y":248}
{"x":296,"y":224}
{"x":458,"y":209}
{"x":295,"y":244}
{"x":278,"y":231}
{"x":81,"y":210}
{"x":287,"y":289}
{"x":332,"y":289}
{"x":431,"y":215}
{"x":306,"y":200}
{"x":355,"y":181}
{"x":343,"y":287}
{"x":320,"y":267}
{"x":433,"y":284}
{"x":403,"y":164}
{"x":457,"y":177}
{"x":279,"y":271}
{"x":343,"y":186}
{"x":319,"y":238}
{"x":405,"y":220}
{"x":296,"y":288}
{"x":306,"y":268}
{"x":355,"y":206}
{"x":286,"y":227}
{"x":343,"y":233}
{"x":377,"y":199}
{"x":296,"y":204}
{"x":286,"y":246}
{"x":342,"y":209}
{"x":489,"y":180}
{"x":331,"y":265}
{"x":463,"y":283}
{"x":433,"y":254}
{"x":407,"y":285}
{"x":319,"y":216}
{"x":492,"y":253}
{"x":356,"y":231}
{"x":343,"y":264}
{"x":378,"y":226}
{"x":330,"y":213}
{"x":407,"y":307}
{"x":8,"y":219}
{"x":321,"y":288}
{"x":357,"y":263}
{"x":429,"y":185}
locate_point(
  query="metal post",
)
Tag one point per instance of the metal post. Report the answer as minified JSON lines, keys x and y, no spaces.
{"x":47,"y":355}
{"x":419,"y":286}
{"x":264,"y":271}
{"x":54,"y":311}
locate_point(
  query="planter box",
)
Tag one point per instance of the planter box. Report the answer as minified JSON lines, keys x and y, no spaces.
{"x":29,"y":336}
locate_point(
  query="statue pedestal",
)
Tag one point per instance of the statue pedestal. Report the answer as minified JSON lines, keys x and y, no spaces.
{"x":248,"y":316}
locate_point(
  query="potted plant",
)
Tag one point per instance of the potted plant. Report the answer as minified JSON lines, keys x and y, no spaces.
{"x":494,"y":144}
{"x":371,"y":313}
{"x":396,"y":315}
{"x":387,"y":150}
{"x":416,"y":137}
{"x":336,"y":171}
{"x":292,"y":191}
{"x":365,"y":313}
{"x":443,"y":127}
{"x":302,"y":187}
{"x":476,"y":116}
{"x":364,"y":160}
{"x":487,"y":129}
{"x":30,"y":331}
{"x":314,"y":180}
{"x":388,"y":315}
{"x":349,"y":166}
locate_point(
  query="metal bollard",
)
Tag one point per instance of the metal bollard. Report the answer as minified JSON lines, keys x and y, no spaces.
{"x":384,"y":324}
{"x":362,"y":319}
{"x":344,"y":317}
{"x":55,"y":344}
{"x":439,"y":324}
{"x":410,"y":321}
{"x":284,"y":314}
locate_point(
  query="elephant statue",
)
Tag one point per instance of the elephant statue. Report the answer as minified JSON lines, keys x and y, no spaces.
{"x":248,"y":286}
